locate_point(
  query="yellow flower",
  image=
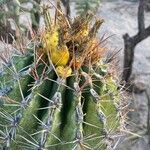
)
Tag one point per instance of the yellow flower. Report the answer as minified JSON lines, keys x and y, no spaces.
{"x":82,"y":33}
{"x":60,"y":57}
{"x":63,"y":71}
{"x":50,"y":40}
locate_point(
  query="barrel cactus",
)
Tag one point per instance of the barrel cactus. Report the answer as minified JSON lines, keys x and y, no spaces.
{"x":59,"y":93}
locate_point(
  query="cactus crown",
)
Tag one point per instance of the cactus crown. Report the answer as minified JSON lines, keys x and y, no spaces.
{"x":74,"y":43}
{"x":62,"y":95}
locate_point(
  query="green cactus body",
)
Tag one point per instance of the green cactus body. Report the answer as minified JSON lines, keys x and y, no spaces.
{"x":10,"y":98}
{"x":54,"y":113}
{"x":94,"y":125}
{"x":68,"y":128}
{"x":14,"y":69}
{"x":72,"y":106}
{"x":69,"y":116}
{"x":31,"y":113}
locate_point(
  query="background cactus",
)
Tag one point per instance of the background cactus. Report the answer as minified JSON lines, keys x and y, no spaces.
{"x":10,"y":24}
{"x":45,"y":107}
{"x":83,"y":6}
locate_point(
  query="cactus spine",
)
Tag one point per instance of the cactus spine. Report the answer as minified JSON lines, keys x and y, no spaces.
{"x":67,"y":106}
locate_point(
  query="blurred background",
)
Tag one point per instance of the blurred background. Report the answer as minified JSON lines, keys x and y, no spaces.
{"x":127,"y":24}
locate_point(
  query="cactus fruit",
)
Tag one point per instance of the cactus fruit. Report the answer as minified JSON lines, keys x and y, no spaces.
{"x":46,"y":105}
